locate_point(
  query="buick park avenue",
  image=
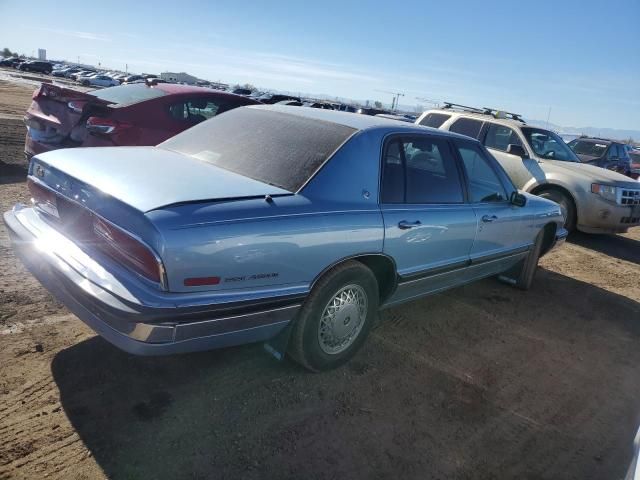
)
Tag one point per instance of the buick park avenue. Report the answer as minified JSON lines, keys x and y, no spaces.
{"x":288,"y":225}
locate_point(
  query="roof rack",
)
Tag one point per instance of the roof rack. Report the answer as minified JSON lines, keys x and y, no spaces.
{"x":457,"y":106}
{"x":494,"y":112}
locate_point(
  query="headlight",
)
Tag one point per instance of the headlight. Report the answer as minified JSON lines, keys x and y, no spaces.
{"x":605,"y":191}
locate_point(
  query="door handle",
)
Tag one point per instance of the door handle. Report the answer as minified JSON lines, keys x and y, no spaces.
{"x":489,"y":218}
{"x":404,"y":225}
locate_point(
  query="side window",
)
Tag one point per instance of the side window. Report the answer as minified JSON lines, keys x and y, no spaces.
{"x":434,"y":120}
{"x":500,"y":137}
{"x":420,"y":170}
{"x":467,"y":126}
{"x":393,"y":178}
{"x":194,"y":111}
{"x":484,"y":183}
{"x":624,"y":153}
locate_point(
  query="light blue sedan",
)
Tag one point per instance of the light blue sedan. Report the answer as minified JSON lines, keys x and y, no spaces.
{"x":283,"y":224}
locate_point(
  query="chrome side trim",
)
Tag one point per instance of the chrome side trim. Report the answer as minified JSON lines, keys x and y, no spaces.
{"x":184,"y":331}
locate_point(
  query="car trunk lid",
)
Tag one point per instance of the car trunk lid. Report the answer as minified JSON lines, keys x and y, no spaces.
{"x":146,"y":178}
{"x":58,"y":114}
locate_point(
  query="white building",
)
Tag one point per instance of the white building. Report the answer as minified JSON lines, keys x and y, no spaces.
{"x":181,"y":77}
{"x":42,"y":54}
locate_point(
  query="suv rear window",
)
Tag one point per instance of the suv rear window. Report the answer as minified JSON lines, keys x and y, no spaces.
{"x":586,"y":147}
{"x":434,"y":120}
{"x":127,"y":94}
{"x":467,"y":126}
{"x":272,"y":147}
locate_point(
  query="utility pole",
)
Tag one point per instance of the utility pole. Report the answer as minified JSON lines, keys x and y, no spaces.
{"x":396,"y":98}
{"x":548,"y":117}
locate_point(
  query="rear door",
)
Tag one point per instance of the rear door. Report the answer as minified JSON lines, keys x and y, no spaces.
{"x":429,"y":228}
{"x":500,"y":239}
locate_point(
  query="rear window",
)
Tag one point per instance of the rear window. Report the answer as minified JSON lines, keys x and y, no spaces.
{"x":594,"y":149}
{"x":467,"y":126}
{"x":434,"y":120}
{"x":272,"y":147}
{"x":127,"y":94}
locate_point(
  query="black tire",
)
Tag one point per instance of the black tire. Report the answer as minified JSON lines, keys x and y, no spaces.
{"x":566,"y":204}
{"x":530,"y":264}
{"x":305,"y":344}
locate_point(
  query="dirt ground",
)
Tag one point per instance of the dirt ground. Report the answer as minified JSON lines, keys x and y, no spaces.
{"x":481,"y":382}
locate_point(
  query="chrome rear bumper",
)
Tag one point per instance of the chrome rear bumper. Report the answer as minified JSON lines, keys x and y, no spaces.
{"x":147,"y":329}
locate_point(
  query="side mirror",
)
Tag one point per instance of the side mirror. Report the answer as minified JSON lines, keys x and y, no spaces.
{"x":518,"y":199}
{"x":517,"y":150}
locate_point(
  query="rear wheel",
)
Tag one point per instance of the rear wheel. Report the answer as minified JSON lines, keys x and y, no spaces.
{"x":566,"y":206}
{"x":336,"y":317}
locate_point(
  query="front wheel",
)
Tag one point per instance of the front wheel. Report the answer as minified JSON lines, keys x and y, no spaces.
{"x":336,"y":317}
{"x":566,"y":206}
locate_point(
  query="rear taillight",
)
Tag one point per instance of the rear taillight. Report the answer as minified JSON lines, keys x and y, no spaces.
{"x":44,"y":198}
{"x":84,"y":226}
{"x":127,"y":250}
{"x":105,"y":126}
{"x":76,"y":106}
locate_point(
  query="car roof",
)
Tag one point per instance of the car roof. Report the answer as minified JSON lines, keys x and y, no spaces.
{"x":355,"y":120}
{"x":482,"y":117}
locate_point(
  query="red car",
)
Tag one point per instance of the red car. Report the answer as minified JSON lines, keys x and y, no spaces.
{"x":136,"y":114}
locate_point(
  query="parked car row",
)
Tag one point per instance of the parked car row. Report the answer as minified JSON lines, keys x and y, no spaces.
{"x":24,"y":65}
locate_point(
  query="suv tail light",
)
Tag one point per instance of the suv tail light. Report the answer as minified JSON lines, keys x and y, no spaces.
{"x":105,"y":126}
{"x":128,"y":251}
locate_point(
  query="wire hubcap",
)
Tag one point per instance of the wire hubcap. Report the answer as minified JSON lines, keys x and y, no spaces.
{"x":342,"y":319}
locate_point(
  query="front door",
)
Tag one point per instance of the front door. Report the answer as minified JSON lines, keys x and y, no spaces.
{"x":429,"y":228}
{"x":497,"y":139}
{"x":501,"y":238}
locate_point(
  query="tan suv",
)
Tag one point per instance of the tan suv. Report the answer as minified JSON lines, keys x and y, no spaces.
{"x":592,"y":199}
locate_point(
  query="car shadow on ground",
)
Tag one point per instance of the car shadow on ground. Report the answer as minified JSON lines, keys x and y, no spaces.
{"x":12,"y":173}
{"x":484,"y":381}
{"x":615,"y":246}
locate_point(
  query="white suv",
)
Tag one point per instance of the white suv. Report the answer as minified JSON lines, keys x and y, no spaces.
{"x":593,"y":200}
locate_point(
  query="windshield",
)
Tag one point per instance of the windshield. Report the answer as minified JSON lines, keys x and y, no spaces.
{"x":583,"y":147}
{"x":548,"y":145}
{"x":272,"y":147}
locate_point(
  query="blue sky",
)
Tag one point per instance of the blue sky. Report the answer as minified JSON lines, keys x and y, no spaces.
{"x":581,"y":58}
